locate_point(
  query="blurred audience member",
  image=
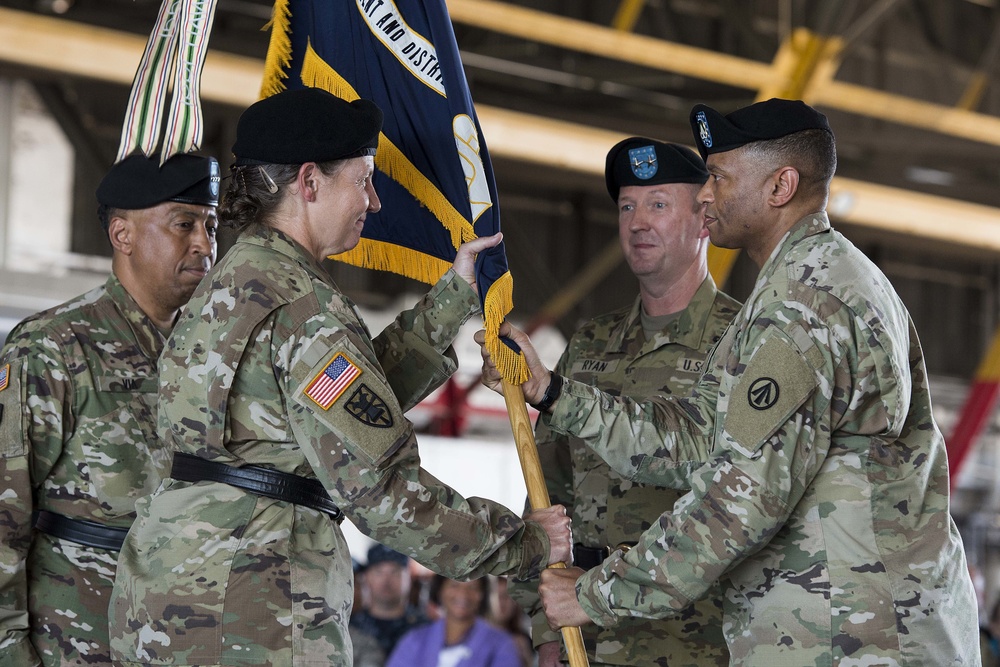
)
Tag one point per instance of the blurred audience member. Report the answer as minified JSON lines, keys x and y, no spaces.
{"x":462,"y":638}
{"x":388,"y":614}
{"x":508,"y":615}
{"x":367,"y":652}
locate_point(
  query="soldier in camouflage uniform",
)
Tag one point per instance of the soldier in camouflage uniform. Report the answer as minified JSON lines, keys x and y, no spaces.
{"x":78,"y":440}
{"x":823,"y":507}
{"x":272,"y":395}
{"x":656,"y":346}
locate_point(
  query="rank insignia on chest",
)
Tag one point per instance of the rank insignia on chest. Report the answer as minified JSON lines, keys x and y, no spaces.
{"x":365,"y":406}
{"x":332,"y":381}
{"x":4,"y":377}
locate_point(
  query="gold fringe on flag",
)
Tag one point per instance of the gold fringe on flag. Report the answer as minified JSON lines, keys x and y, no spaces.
{"x":372,"y":254}
{"x":279,"y":50}
{"x":498,"y":302}
{"x":389,"y":159}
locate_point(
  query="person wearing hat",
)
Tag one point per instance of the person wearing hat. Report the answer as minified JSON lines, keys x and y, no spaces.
{"x":656,"y":345}
{"x":284,"y":416}
{"x":823,"y":508}
{"x":388,"y":614}
{"x":78,"y":443}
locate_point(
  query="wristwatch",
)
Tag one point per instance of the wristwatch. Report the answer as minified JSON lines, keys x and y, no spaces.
{"x":551,"y":393}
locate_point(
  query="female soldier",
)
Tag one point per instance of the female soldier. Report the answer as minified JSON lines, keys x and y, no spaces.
{"x":284,"y":414}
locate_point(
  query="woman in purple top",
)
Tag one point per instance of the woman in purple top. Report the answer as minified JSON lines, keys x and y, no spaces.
{"x":461,"y":638}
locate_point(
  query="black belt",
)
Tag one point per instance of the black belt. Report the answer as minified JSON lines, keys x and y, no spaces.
{"x":259,"y":481}
{"x":590,"y":557}
{"x":80,"y":531}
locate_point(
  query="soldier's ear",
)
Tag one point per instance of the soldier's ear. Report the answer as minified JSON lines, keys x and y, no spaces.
{"x":783,"y":184}
{"x":120,"y":232}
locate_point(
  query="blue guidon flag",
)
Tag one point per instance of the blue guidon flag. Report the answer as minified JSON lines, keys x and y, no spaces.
{"x":433,"y":171}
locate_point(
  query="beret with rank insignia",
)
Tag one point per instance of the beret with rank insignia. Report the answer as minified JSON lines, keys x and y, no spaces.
{"x":641,"y":161}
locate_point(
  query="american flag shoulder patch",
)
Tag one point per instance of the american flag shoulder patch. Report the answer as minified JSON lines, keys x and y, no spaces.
{"x":332,"y":381}
{"x":4,"y":377}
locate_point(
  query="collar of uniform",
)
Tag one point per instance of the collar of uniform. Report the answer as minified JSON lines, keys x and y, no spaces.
{"x":150,"y":338}
{"x":688,"y":329}
{"x":282,"y":243}
{"x":812,"y":224}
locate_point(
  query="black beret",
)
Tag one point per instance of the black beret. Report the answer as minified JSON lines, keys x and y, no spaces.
{"x":306,"y":125}
{"x":140,"y":182}
{"x":773,"y":119}
{"x":379,"y":553}
{"x":641,"y":161}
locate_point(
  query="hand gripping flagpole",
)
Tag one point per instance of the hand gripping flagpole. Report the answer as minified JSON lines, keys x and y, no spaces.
{"x":538,"y":494}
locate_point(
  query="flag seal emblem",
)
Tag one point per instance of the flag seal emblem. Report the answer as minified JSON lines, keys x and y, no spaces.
{"x":331,"y":382}
{"x":366,"y":406}
{"x":643,"y":162}
{"x":4,"y":377}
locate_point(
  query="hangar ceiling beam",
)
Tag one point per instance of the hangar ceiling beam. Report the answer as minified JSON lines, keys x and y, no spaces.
{"x":585,"y":37}
{"x":58,"y":45}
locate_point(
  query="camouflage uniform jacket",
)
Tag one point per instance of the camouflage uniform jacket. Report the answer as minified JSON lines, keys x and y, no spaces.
{"x":213,"y":575}
{"x":611,"y":353}
{"x":78,"y":437}
{"x":824,"y":504}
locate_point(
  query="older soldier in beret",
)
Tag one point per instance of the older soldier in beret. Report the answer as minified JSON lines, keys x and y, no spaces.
{"x":657,"y":345}
{"x":823,"y":507}
{"x":284,"y":415}
{"x":78,"y":440}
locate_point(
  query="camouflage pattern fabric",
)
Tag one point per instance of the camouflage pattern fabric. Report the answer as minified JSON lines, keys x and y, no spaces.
{"x":612,"y":353}
{"x":212,"y":575}
{"x":77,"y":437}
{"x":824,"y":505}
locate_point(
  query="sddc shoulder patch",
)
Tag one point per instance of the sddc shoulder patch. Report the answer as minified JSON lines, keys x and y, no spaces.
{"x":331,"y":382}
{"x":366,"y":406}
{"x":772,"y":387}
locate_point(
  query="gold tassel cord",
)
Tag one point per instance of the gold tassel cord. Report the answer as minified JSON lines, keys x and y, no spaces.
{"x":498,"y":302}
{"x":279,"y":50}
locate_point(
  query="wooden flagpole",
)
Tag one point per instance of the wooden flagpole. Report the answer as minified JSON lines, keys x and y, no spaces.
{"x":538,"y":494}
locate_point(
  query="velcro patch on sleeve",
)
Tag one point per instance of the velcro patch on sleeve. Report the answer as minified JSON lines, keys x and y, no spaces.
{"x":354,"y":401}
{"x":772,"y":387}
{"x":332,"y":381}
{"x":12,"y":436}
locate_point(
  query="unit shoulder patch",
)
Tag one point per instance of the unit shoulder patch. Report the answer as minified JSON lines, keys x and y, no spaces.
{"x":774,"y":384}
{"x":368,"y":408}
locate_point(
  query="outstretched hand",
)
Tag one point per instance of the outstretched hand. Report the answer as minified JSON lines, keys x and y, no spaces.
{"x":534,"y":387}
{"x":465,"y":259}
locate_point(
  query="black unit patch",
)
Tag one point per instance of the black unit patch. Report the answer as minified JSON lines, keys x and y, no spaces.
{"x":365,"y":406}
{"x":763,"y":393}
